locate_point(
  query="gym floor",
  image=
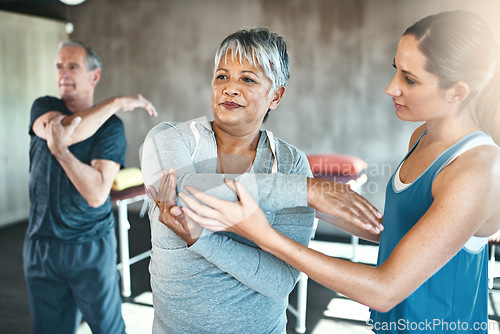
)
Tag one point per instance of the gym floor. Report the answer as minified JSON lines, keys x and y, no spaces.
{"x":327,"y":311}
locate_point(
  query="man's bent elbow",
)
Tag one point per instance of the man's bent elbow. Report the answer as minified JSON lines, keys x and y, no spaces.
{"x":97,"y":201}
{"x":95,"y":204}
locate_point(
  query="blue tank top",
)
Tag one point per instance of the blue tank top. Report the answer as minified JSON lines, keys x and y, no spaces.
{"x":453,"y":300}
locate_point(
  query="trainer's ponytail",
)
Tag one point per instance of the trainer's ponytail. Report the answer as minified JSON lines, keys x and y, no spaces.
{"x":487,"y":108}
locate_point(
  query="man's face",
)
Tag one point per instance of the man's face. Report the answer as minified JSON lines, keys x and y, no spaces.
{"x":74,"y":81}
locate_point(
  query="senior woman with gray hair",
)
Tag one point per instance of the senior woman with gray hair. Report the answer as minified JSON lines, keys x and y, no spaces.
{"x":205,"y":282}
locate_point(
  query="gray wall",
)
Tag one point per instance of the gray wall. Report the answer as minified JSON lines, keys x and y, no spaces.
{"x":27,"y":54}
{"x":341,"y":54}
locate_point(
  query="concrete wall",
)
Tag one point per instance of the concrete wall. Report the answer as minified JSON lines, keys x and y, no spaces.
{"x":340,"y":52}
{"x":27,"y":55}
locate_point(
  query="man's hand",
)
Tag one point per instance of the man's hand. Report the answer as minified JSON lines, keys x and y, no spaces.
{"x":338,"y":199}
{"x":132,"y":102}
{"x":59,"y":136}
{"x":170,"y":214}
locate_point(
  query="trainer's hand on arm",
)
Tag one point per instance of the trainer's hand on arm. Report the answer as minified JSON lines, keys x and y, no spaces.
{"x":170,"y":214}
{"x":243,"y":217}
{"x":337,"y":199}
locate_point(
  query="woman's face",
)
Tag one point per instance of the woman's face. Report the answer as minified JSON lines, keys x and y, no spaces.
{"x":241,"y":95}
{"x":415,"y":91}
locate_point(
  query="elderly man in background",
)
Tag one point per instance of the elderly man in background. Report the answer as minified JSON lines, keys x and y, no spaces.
{"x":76,"y":150}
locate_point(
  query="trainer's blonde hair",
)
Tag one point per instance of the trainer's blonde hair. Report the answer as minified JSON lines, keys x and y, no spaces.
{"x":460,"y":46}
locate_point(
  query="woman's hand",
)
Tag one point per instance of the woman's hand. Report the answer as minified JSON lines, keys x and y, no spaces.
{"x":338,"y":199}
{"x":170,"y":214}
{"x":243,"y":217}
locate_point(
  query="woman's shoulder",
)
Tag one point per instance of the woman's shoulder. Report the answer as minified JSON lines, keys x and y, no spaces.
{"x":470,"y":184}
{"x":168,"y":129}
{"x":477,"y":172}
{"x":416,"y":135}
{"x":478,"y":165}
{"x":284,"y":148}
{"x":290,"y":158}
{"x":165,"y":132}
{"x":483,"y":158}
{"x":161,"y":128}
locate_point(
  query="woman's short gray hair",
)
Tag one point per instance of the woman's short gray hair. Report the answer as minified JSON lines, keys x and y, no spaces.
{"x":93,"y":60}
{"x":259,"y":47}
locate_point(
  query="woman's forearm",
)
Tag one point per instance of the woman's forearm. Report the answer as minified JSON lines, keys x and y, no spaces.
{"x":339,"y":200}
{"x":253,"y":267}
{"x":273,"y":192}
{"x":348,"y":227}
{"x":362,"y":283}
